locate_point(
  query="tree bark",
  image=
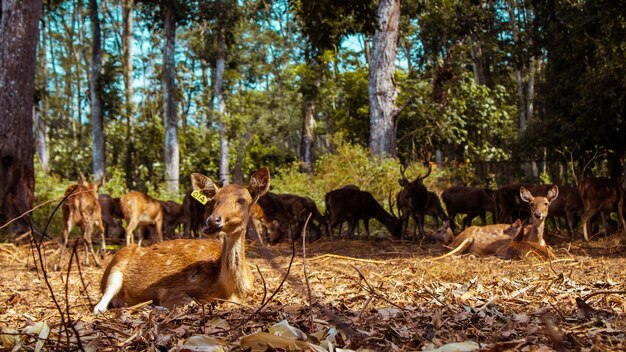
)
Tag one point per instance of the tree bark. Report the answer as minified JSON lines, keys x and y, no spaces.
{"x":41,"y":106}
{"x":127,"y":58}
{"x":95,"y":93}
{"x":170,"y":121}
{"x":41,"y":144}
{"x":224,"y":172}
{"x":18,"y":53}
{"x":306,"y":139}
{"x":381,"y":87}
{"x":519,"y":77}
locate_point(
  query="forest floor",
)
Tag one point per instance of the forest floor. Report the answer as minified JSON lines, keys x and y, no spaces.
{"x":368,"y":294}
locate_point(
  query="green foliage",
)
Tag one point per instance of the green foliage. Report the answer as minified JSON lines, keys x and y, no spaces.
{"x":350,"y":164}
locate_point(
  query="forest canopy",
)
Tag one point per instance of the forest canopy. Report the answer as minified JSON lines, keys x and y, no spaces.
{"x":477,"y":81}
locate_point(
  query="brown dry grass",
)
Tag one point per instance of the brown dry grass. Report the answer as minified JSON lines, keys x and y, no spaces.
{"x":403,"y":301}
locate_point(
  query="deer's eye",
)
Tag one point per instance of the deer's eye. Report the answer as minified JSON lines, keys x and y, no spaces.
{"x":241,"y":201}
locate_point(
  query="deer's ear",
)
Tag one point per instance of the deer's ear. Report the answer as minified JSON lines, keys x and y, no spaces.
{"x":259,"y":183}
{"x":203,"y":184}
{"x":525,"y":194}
{"x":553,"y":193}
{"x":517,"y":223}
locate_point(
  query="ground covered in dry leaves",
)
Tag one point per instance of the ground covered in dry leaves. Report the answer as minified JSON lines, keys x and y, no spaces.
{"x":373,"y":294}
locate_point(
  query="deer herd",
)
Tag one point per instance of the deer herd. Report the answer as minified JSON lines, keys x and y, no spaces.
{"x":213,"y":266}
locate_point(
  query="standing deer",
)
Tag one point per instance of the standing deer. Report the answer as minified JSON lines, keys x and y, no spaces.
{"x":412,"y":200}
{"x":81,"y":208}
{"x":290,"y":211}
{"x":467,"y":200}
{"x":141,"y":210}
{"x":345,"y":204}
{"x":193,"y":214}
{"x":600,"y":195}
{"x":173,"y":273}
{"x":111,"y":211}
{"x":568,"y":205}
{"x":508,"y":241}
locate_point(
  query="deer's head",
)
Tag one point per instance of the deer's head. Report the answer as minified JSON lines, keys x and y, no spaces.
{"x":232,"y":202}
{"x":539,"y":205}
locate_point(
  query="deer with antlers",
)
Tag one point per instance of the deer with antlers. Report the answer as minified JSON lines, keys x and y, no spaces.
{"x":412,"y":200}
{"x":173,"y":273}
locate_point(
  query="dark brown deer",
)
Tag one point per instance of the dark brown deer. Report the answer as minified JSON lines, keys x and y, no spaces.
{"x":509,"y":204}
{"x":471,"y":201}
{"x":193,"y":214}
{"x":141,"y":210}
{"x":111,"y":216}
{"x":290,"y":212}
{"x":351,"y":205}
{"x":172,"y":217}
{"x":174,"y":273}
{"x":412,"y":199}
{"x":568,"y":205}
{"x":81,"y":208}
{"x":600,"y":195}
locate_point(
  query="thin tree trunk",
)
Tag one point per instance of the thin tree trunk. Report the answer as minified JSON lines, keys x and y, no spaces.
{"x":519,"y":78}
{"x":478,"y":64}
{"x":306,"y":139}
{"x":18,"y":54}
{"x":367,"y":48}
{"x":97,"y":123}
{"x":381,"y":88}
{"x":127,"y":58}
{"x":170,"y":121}
{"x":530,"y":87}
{"x":41,"y":145}
{"x":41,"y":106}
{"x":224,"y":172}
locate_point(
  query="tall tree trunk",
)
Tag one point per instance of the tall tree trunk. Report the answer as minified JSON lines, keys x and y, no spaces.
{"x":41,"y":145}
{"x":224,"y":172}
{"x":95,"y":92}
{"x":41,"y":106}
{"x":306,"y":138}
{"x":519,"y":77}
{"x":478,"y":62}
{"x":310,"y":91}
{"x":127,"y":58}
{"x":381,"y":88}
{"x":18,"y":53}
{"x":170,"y":121}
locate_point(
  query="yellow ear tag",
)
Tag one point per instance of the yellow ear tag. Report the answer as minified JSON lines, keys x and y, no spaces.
{"x":197,"y":195}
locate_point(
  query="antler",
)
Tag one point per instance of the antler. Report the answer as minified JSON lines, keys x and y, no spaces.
{"x":402,"y":170}
{"x":391,"y":206}
{"x":421,"y":178}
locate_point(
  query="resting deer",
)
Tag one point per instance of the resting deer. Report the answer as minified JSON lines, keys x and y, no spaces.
{"x":508,"y":241}
{"x":173,"y":273}
{"x":83,"y":209}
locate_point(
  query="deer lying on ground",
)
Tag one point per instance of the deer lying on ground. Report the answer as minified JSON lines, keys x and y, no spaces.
{"x":141,"y":210}
{"x":600,"y":195}
{"x":509,"y":241}
{"x":467,"y":200}
{"x":173,"y":273}
{"x":82,"y":208}
{"x":412,"y":200}
{"x":345,"y":204}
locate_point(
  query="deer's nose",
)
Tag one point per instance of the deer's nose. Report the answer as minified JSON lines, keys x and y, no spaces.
{"x":214,"y":222}
{"x":538,"y":215}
